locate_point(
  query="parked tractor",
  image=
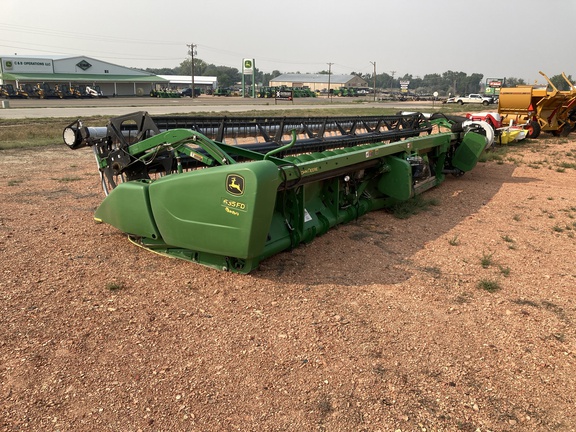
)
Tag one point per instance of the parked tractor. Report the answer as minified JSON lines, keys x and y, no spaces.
{"x":51,"y":93}
{"x":69,"y":91}
{"x":33,"y":91}
{"x":164,"y":93}
{"x":9,"y":91}
{"x":222,"y":91}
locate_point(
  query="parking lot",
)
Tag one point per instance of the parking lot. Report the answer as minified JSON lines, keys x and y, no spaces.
{"x":37,"y":108}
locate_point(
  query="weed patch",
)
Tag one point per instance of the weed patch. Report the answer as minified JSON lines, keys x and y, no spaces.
{"x":411,"y":207}
{"x":486,"y":260}
{"x":489,"y":285}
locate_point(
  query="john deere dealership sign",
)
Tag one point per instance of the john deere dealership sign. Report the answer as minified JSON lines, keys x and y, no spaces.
{"x":248,"y":66}
{"x":24,"y":64}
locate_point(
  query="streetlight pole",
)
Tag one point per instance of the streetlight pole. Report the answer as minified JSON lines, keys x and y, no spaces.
{"x":192,"y":53}
{"x":374,"y":79}
{"x":329,"y":73}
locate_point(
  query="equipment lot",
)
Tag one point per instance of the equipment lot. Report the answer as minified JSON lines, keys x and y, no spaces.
{"x":381,"y":324}
{"x":34,"y":108}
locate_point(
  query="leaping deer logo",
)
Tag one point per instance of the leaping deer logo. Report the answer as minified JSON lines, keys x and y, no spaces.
{"x":235,"y":184}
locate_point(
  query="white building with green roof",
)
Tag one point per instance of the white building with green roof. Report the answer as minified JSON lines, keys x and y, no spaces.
{"x":74,"y":71}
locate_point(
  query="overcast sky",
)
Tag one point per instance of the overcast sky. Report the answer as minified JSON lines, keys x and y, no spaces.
{"x":497,"y":38}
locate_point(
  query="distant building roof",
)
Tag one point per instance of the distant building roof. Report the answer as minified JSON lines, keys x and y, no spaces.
{"x":313,"y":78}
{"x":81,"y":78}
{"x":187,"y":79}
{"x":71,"y":69}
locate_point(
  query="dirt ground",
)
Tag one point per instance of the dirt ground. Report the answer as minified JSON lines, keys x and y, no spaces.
{"x":459,"y":318}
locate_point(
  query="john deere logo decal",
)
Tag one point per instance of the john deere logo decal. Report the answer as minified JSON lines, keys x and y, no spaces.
{"x":8,"y":64}
{"x":235,"y":184}
{"x":247,"y":64}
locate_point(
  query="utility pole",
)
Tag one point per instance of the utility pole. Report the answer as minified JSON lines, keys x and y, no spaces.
{"x":329,"y":73}
{"x":192,"y":53}
{"x":392,"y":80}
{"x":374,"y":79}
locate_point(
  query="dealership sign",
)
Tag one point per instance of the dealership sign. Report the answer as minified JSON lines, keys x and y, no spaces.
{"x":493,"y":86}
{"x":284,"y":95}
{"x":248,"y":67}
{"x":404,"y":86}
{"x":494,"y":82}
{"x":23,"y":64}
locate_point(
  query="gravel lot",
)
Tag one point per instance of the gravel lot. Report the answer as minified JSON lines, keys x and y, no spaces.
{"x":460,"y":318}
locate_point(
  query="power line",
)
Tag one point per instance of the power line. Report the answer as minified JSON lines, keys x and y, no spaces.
{"x":59,"y":48}
{"x":81,"y":36}
{"x":113,"y":39}
{"x":87,"y":52}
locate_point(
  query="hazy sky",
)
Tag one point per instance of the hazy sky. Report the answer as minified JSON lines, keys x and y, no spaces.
{"x":497,"y":38}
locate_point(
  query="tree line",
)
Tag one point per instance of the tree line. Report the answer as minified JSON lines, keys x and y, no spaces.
{"x":449,"y":82}
{"x":227,"y":76}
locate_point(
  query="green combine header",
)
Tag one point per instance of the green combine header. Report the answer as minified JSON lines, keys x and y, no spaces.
{"x":230,"y":192}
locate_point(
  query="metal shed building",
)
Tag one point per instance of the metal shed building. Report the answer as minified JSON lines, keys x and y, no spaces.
{"x":318,"y":81}
{"x":77,"y":70}
{"x":185,"y":81}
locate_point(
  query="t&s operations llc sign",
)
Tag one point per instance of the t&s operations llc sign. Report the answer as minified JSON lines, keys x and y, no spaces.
{"x":22,"y":64}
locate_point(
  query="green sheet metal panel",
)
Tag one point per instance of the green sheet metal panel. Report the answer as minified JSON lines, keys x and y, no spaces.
{"x":397,"y":182}
{"x":468,"y":152}
{"x":127,"y":208}
{"x":225,"y":210}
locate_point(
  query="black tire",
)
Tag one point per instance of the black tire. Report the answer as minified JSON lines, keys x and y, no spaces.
{"x":533,"y":129}
{"x":485,"y":103}
{"x":460,"y":102}
{"x":566,"y":129}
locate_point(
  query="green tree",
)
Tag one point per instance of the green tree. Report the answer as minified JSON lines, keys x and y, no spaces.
{"x":264,"y":78}
{"x":385,"y":81}
{"x":456,"y":81}
{"x":473,"y":83}
{"x":162,"y":71}
{"x":434,"y":83}
{"x":226,"y":76}
{"x":513,"y":82}
{"x":560,"y":83}
{"x":186,"y":69}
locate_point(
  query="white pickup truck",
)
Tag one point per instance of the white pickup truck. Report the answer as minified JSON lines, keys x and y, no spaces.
{"x":473,"y":98}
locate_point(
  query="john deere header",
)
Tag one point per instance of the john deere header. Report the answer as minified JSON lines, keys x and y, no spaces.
{"x":228,"y":193}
